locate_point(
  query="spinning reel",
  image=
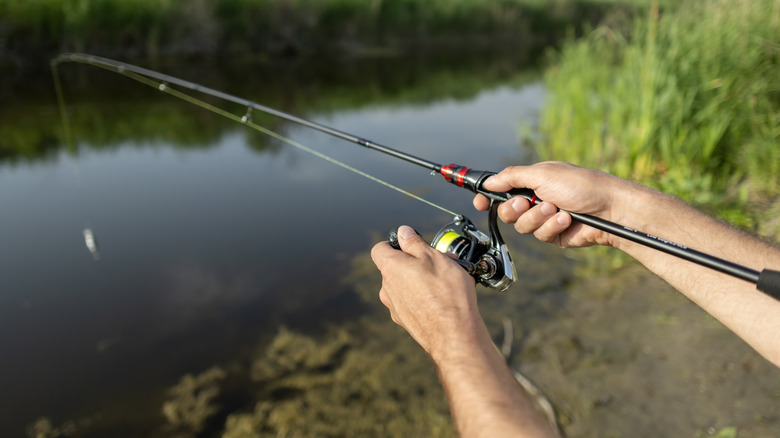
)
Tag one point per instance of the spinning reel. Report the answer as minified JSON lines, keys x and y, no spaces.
{"x":484,"y":257}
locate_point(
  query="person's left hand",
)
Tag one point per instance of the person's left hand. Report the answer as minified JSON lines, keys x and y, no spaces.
{"x":427,"y":293}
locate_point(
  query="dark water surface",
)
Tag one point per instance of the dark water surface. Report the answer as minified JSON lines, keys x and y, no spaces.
{"x":211,"y":236}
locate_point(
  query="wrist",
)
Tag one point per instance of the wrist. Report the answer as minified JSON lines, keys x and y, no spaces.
{"x":631,"y":205}
{"x":461,"y":342}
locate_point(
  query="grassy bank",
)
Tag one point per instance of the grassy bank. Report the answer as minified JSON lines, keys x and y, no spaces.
{"x":685,"y":99}
{"x":151,"y":27}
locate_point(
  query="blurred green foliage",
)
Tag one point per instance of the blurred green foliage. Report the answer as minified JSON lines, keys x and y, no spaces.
{"x":153,"y":27}
{"x":685,"y":98}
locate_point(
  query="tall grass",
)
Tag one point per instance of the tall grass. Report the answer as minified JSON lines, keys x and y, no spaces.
{"x":688,"y":101}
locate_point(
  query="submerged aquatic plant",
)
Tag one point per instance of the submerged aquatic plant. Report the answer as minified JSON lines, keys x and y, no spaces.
{"x":192,"y":402}
{"x":375,"y":383}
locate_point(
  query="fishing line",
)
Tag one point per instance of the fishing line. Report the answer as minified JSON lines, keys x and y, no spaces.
{"x":90,"y":241}
{"x":485,"y":257}
{"x":246,"y":119}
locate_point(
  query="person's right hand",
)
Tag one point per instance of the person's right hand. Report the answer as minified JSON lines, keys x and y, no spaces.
{"x":427,"y":293}
{"x":559,"y":185}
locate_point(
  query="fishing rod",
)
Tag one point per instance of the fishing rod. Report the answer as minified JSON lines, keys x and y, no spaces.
{"x":484,"y":256}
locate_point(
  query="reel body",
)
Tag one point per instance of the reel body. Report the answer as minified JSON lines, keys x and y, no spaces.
{"x":485,"y":257}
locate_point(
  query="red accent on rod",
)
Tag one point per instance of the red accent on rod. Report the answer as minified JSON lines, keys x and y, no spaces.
{"x":462,"y":174}
{"x":447,"y":171}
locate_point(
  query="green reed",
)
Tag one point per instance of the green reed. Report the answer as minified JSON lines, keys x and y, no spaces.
{"x":687,"y":100}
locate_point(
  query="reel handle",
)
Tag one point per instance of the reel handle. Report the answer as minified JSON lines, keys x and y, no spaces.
{"x":392,"y":237}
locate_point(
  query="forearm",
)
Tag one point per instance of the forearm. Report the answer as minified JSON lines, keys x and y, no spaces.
{"x":485,"y":398}
{"x":434,"y":299}
{"x":752,"y":315}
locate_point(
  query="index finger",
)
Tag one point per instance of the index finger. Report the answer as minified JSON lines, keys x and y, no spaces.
{"x":382,"y":253}
{"x":510,"y":178}
{"x":532,"y":177}
{"x":412,"y":245}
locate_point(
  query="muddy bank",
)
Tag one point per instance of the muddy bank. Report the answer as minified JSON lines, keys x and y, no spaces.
{"x":622,"y":354}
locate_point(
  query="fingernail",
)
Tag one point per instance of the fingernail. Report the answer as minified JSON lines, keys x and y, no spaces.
{"x":405,"y":232}
{"x":548,"y":209}
{"x":562,"y":219}
{"x":490,"y":181}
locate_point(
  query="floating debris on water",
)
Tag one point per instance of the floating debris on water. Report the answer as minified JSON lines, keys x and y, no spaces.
{"x":91,"y":242}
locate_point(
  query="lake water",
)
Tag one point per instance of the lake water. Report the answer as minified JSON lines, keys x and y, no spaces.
{"x":210,"y":236}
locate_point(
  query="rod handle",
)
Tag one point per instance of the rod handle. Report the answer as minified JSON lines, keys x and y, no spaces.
{"x":769,"y":283}
{"x":772,"y":281}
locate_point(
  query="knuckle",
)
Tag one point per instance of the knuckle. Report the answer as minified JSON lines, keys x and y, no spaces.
{"x":506,"y":213}
{"x":507,"y":173}
{"x":413,"y":245}
{"x":376,"y":252}
{"x":383,"y":298}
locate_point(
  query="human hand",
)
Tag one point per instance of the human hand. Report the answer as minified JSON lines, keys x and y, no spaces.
{"x":427,"y":293}
{"x":559,"y":185}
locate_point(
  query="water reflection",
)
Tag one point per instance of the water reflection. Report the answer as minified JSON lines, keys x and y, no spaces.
{"x":105,"y":111}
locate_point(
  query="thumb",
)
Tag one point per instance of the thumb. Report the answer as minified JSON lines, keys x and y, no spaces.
{"x":410,"y":241}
